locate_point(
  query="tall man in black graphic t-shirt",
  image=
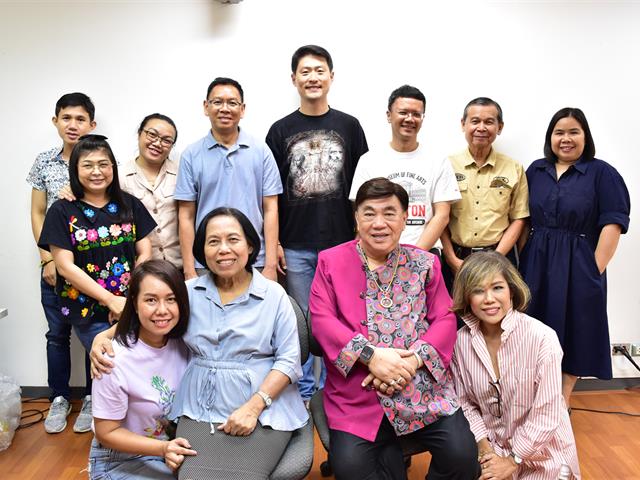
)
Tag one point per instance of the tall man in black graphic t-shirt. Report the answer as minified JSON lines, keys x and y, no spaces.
{"x":317,"y":149}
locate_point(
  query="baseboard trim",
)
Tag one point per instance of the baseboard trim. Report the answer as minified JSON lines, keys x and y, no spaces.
{"x":44,"y":392}
{"x":595,"y":384}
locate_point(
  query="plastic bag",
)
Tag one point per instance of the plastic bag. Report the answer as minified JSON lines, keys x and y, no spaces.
{"x":10,"y":410}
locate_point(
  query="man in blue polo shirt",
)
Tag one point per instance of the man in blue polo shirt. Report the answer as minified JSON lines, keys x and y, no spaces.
{"x":230,"y":168}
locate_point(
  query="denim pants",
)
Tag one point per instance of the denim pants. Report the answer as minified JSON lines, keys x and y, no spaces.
{"x":301,"y":268}
{"x":107,"y":464}
{"x":58,"y":343}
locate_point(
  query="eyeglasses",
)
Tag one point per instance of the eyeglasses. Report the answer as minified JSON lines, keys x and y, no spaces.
{"x":495,"y":408}
{"x":90,"y":167}
{"x":219,"y":103}
{"x":154,"y":136}
{"x":405,"y":114}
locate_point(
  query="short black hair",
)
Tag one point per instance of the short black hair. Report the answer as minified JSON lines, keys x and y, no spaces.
{"x":158,"y":116}
{"x":406,"y":91}
{"x":76,"y":99}
{"x":381,"y":187}
{"x":483,"y":102}
{"x":129,"y":324}
{"x":250,"y":233}
{"x":226,"y":81}
{"x":315,"y":50}
{"x":91,"y":143}
{"x":589,"y":151}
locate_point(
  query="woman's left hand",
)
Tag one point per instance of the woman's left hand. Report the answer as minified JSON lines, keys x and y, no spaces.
{"x":241,"y":422}
{"x":495,"y":467}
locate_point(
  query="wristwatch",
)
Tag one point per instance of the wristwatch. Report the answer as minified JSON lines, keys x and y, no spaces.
{"x":367,"y":354}
{"x":516,"y":458}
{"x":266,"y":398}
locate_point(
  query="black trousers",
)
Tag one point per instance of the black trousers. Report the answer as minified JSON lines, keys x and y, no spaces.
{"x":453,"y":450}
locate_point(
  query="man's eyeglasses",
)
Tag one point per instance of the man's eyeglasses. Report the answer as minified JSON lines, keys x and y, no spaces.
{"x":154,"y":136}
{"x":495,"y":408}
{"x":406,"y":114}
{"x":218,"y":103}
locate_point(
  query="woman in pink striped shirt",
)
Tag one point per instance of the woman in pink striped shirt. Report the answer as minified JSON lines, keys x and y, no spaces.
{"x":506,"y":368}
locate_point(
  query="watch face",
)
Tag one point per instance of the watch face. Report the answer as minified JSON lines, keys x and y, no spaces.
{"x":367,"y":353}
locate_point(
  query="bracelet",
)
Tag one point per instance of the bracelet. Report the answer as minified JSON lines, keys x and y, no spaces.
{"x":43,"y":263}
{"x":420,"y":362}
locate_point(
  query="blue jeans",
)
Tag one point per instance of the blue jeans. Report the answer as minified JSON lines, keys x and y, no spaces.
{"x":107,"y":464}
{"x":58,"y":347}
{"x":301,"y":267}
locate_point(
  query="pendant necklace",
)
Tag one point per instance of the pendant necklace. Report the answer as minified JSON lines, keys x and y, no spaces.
{"x":385,"y":301}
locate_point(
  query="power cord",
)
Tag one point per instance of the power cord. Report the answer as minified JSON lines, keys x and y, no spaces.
{"x":623,"y":350}
{"x":32,"y":412}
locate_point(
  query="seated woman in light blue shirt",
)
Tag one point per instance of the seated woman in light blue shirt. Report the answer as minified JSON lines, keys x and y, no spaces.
{"x":245,"y":359}
{"x":237,"y":402}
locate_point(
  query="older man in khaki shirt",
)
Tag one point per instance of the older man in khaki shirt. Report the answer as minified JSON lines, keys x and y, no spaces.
{"x":495,"y":197}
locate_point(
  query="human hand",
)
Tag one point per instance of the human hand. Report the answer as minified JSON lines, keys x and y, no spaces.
{"x":270,"y":273}
{"x":189,"y":273}
{"x":100,"y":362}
{"x":66,"y":193}
{"x":282,"y":261}
{"x":49,"y":273}
{"x":174,"y":452}
{"x":495,"y":467}
{"x":241,"y":422}
{"x":115,"y":306}
{"x":391,"y":368}
{"x":454,"y":263}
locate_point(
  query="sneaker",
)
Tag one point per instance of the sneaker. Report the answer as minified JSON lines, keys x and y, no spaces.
{"x":83,"y":422}
{"x":56,"y":420}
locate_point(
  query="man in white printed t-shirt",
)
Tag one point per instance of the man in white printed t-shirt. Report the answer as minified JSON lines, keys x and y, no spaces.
{"x":431,"y":183}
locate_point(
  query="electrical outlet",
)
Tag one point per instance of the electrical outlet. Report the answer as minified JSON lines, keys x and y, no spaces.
{"x":625,"y":345}
{"x":635,"y":349}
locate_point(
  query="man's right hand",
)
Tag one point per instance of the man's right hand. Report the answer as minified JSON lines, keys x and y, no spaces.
{"x":49,"y":273}
{"x":455,"y":263}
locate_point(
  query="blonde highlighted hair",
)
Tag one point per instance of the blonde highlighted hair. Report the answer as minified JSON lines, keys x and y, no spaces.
{"x":480,"y":267}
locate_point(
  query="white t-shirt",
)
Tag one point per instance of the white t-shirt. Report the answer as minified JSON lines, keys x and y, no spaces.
{"x":427,"y":181}
{"x":141,"y":387}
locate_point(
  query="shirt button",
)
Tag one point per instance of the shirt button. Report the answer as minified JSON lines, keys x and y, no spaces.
{"x":155,"y":210}
{"x":161,"y":249}
{"x":475,"y":234}
{"x":477,"y":186}
{"x":158,"y":230}
{"x":363,"y":295}
{"x":363,"y":322}
{"x":477,"y":202}
{"x":476,"y":218}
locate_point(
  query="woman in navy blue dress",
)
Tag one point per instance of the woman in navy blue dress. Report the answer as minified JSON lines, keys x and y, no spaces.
{"x":579,"y":206}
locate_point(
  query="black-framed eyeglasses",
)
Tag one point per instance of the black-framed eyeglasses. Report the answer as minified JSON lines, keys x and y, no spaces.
{"x":408,"y":114}
{"x":154,"y":136}
{"x":495,"y":407}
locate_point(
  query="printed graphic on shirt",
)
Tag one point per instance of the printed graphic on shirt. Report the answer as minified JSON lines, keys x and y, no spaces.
{"x":316,"y":160}
{"x":166,"y":399}
{"x":416,"y":187}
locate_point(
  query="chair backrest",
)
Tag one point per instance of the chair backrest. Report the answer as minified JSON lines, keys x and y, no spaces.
{"x":314,"y":346}
{"x":303,"y":330}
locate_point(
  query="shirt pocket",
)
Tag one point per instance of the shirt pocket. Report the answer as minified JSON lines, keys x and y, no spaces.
{"x":498,"y":199}
{"x":524,"y":394}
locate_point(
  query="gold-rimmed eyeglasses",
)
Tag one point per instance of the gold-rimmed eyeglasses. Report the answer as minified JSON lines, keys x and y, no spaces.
{"x":154,"y":136}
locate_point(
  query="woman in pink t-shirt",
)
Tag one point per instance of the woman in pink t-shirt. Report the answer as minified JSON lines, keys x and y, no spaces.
{"x":506,"y":368}
{"x":131,"y":404}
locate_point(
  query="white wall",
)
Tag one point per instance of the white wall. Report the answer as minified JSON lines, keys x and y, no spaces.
{"x":134,"y":58}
